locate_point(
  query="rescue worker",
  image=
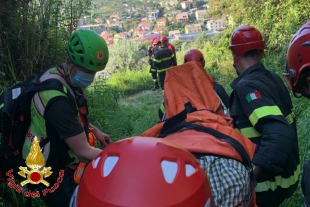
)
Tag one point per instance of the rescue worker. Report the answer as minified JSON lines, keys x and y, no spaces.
{"x":196,"y":55}
{"x":59,"y":120}
{"x":163,"y":59}
{"x":262,"y":111}
{"x":297,"y":76}
{"x":144,"y":172}
{"x":151,"y":51}
{"x":165,"y":43}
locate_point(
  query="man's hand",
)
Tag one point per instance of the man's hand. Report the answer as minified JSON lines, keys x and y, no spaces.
{"x":103,"y":138}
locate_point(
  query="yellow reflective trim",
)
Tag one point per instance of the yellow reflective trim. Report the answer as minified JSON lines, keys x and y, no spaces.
{"x":162,"y":70}
{"x":279,"y":181}
{"x":155,"y":60}
{"x":262,"y":112}
{"x":2,"y":105}
{"x":250,"y":132}
{"x":65,"y":89}
{"x":167,"y":58}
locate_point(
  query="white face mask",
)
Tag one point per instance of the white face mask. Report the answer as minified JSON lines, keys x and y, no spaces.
{"x":82,"y":79}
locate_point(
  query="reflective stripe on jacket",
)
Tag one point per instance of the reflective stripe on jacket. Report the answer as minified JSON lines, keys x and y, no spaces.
{"x":262,"y":110}
{"x":163,"y":59}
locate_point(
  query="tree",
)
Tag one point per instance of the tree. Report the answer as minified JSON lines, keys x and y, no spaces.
{"x":37,"y":33}
{"x":123,"y":56}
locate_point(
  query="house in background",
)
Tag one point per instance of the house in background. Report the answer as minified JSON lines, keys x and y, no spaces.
{"x":108,"y":37}
{"x":200,"y":14}
{"x":153,"y":16}
{"x":173,"y":2}
{"x":173,"y":33}
{"x":122,"y":35}
{"x":182,"y":17}
{"x":216,"y":25}
{"x":185,"y":5}
{"x":192,"y":28}
{"x":162,"y":22}
{"x":144,"y":25}
{"x":159,"y":30}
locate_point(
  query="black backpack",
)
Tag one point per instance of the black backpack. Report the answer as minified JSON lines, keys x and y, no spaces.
{"x":15,"y":118}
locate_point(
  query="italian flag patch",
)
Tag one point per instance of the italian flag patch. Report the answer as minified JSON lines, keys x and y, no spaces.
{"x":252,"y":96}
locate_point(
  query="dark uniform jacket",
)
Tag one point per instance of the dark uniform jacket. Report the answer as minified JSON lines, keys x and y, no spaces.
{"x":262,"y":110}
{"x":163,"y":59}
{"x":151,"y":52}
{"x":221,"y":92}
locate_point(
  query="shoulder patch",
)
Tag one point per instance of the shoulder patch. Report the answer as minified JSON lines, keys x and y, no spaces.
{"x":252,"y":96}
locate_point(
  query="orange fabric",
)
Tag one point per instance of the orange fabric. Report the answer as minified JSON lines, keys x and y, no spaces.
{"x":189,"y":82}
{"x":201,"y":142}
{"x":81,"y":166}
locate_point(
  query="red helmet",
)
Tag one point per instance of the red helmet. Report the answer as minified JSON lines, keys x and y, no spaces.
{"x":243,"y":39}
{"x":196,"y":55}
{"x":153,"y":39}
{"x":298,"y":58}
{"x":163,"y":38}
{"x":143,"y":171}
{"x":156,"y":42}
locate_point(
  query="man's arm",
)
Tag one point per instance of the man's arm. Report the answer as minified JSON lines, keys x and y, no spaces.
{"x":277,"y":136}
{"x":62,"y":117}
{"x":80,"y":147}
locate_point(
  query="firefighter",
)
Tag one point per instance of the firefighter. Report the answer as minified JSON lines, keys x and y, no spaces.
{"x":262,"y":111}
{"x":163,"y":59}
{"x":297,"y":76}
{"x":151,"y":51}
{"x":165,"y":43}
{"x":196,"y":55}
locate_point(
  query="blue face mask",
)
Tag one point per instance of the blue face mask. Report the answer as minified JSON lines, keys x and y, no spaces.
{"x":82,"y":79}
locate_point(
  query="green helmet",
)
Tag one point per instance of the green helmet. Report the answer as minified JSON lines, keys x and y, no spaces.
{"x":88,"y":49}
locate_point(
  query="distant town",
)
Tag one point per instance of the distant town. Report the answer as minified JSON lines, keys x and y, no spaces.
{"x":194,"y":21}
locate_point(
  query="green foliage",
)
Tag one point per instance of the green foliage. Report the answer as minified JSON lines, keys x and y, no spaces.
{"x":201,"y":39}
{"x":177,"y":44}
{"x":125,"y":55}
{"x":129,"y":82}
{"x":36,"y":34}
{"x":129,"y":24}
{"x":122,"y":117}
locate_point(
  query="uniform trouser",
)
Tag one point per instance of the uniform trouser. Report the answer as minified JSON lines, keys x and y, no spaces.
{"x":161,"y":79}
{"x":305,"y":183}
{"x":154,"y":76}
{"x":153,"y":73}
{"x":274,"y":198}
{"x":62,"y":195}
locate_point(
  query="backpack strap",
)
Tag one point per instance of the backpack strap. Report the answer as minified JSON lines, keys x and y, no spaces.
{"x":175,"y":124}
